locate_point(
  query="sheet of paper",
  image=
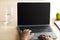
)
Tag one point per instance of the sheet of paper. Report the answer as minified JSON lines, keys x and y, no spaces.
{"x":57,"y":23}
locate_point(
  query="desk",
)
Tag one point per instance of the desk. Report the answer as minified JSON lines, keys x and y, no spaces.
{"x":10,"y":32}
{"x":55,"y":29}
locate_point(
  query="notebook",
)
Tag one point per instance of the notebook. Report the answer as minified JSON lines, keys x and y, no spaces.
{"x":57,"y":23}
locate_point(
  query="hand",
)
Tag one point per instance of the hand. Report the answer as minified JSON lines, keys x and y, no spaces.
{"x":45,"y":37}
{"x":25,"y":35}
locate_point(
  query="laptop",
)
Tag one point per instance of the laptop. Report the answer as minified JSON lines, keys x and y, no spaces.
{"x":34,"y":16}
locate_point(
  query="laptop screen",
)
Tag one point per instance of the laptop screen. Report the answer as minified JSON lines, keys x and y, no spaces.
{"x":33,"y":13}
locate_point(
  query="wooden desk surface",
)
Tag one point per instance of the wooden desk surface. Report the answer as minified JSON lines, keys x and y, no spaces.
{"x":55,"y":29}
{"x":10,"y":32}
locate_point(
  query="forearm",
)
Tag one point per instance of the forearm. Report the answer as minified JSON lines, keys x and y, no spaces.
{"x":23,"y":38}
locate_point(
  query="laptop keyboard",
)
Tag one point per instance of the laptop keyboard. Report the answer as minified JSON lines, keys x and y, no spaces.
{"x":37,"y":28}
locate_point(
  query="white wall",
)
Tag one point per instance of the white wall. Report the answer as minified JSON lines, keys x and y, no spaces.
{"x":55,"y":7}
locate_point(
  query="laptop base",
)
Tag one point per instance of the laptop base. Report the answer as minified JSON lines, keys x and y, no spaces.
{"x":38,"y":30}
